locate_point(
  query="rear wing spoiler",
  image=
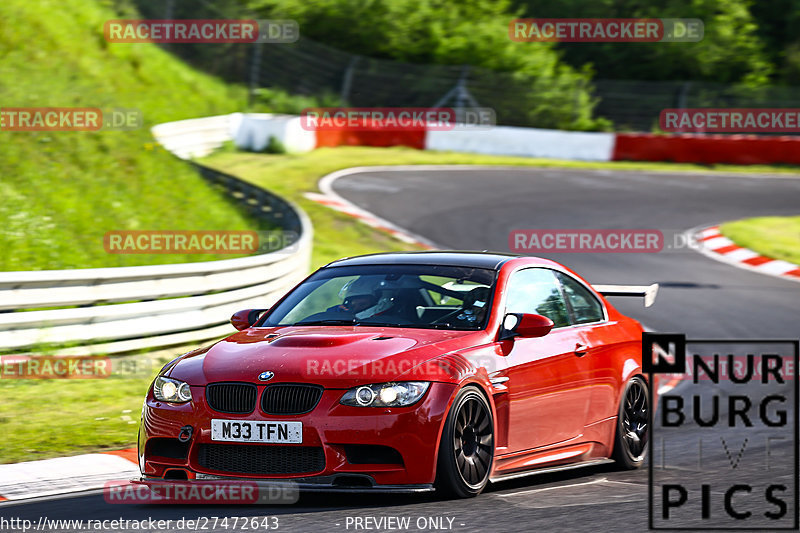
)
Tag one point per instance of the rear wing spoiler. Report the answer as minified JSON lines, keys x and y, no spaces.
{"x":648,"y":292}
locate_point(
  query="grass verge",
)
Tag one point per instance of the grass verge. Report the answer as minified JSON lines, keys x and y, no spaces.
{"x":63,"y":190}
{"x":50,"y":418}
{"x":775,"y":237}
{"x":43,"y":418}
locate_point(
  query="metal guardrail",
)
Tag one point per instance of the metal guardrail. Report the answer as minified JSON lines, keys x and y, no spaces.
{"x":259,"y":202}
{"x":132,"y":308}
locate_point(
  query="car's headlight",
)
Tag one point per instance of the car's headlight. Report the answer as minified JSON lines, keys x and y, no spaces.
{"x":171,"y":390}
{"x":399,"y":394}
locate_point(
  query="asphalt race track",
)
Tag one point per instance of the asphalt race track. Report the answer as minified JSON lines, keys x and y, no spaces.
{"x":476,"y":209}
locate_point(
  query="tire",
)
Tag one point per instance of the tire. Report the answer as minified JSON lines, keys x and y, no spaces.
{"x":633,"y":425}
{"x":466,"y":450}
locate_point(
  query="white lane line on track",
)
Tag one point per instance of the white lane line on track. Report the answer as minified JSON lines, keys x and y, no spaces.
{"x":595,"y":492}
{"x":555,"y":487}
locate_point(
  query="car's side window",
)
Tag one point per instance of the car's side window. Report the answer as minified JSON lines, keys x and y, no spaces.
{"x":586,"y":307}
{"x":536,"y":291}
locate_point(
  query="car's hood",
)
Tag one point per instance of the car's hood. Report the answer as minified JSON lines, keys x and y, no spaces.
{"x":335,"y":357}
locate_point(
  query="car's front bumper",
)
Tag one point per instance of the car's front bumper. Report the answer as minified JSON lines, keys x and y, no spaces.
{"x":335,"y":483}
{"x":413,"y":432}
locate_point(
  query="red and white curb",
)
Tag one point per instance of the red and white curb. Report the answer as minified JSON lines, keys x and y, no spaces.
{"x":64,"y":475}
{"x":366,"y":218}
{"x":332,"y":199}
{"x":713,"y":244}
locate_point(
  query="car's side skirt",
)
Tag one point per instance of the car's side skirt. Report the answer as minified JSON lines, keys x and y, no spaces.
{"x":549,"y":470}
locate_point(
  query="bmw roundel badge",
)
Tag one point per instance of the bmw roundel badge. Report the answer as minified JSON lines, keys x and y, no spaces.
{"x":266,"y":376}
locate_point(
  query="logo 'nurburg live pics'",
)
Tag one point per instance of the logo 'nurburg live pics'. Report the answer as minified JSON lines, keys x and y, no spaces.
{"x":723,"y":448}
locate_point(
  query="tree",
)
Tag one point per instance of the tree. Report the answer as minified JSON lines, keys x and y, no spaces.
{"x":731,"y":50}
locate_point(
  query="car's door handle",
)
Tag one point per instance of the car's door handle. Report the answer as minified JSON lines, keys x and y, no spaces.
{"x":581,"y":349}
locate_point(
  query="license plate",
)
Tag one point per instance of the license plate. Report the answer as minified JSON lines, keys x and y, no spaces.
{"x":256,"y":431}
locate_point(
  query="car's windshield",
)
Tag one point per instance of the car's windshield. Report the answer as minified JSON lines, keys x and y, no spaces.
{"x":419,"y":296}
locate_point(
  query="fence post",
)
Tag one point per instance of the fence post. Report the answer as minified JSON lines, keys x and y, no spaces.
{"x":683,"y":95}
{"x":255,"y":72}
{"x":459,"y":94}
{"x":348,"y":80}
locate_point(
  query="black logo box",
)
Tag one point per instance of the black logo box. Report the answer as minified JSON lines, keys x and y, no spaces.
{"x":654,"y":363}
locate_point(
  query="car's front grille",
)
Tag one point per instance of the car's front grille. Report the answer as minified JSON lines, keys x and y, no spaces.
{"x":232,"y":397}
{"x":261,"y":459}
{"x":290,"y":398}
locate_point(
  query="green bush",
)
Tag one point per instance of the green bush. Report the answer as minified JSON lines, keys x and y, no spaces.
{"x":541,"y":87}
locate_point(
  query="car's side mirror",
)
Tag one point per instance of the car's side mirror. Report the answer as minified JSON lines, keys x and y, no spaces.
{"x":525,"y":325}
{"x":246,"y":318}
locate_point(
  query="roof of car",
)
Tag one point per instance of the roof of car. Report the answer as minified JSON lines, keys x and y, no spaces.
{"x":491,"y":260}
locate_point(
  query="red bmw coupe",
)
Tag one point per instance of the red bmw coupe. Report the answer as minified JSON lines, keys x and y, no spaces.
{"x":406,"y":372}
